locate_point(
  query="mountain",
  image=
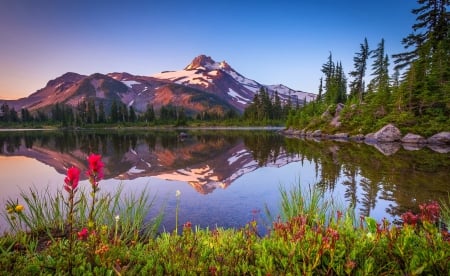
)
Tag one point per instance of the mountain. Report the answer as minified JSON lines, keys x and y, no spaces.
{"x":204,"y":161}
{"x":203,"y":85}
{"x":221,"y":79}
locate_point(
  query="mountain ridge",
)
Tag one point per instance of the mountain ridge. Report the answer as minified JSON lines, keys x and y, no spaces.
{"x":217,"y":84}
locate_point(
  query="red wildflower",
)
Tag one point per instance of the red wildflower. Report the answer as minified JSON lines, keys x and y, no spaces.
{"x":410,"y":218}
{"x":95,"y":167}
{"x":430,"y":211}
{"x":187,"y":225}
{"x":83,"y":234}
{"x":72,"y":178}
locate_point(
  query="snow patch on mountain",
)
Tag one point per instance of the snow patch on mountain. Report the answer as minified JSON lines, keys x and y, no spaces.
{"x":130,"y":83}
{"x":186,"y":77}
{"x":238,"y":97}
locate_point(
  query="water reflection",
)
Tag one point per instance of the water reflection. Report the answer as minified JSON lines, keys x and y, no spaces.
{"x":376,"y":184}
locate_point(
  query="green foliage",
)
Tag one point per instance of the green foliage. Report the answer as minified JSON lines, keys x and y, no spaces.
{"x":312,"y":239}
{"x":266,"y":108}
{"x":418,"y":103}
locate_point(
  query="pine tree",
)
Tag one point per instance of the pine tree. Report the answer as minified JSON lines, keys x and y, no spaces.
{"x":328,"y":71}
{"x":360,"y":64}
{"x":380,"y":69}
{"x":101,"y":113}
{"x":426,"y":88}
{"x":431,"y":27}
{"x":150,"y":113}
{"x":114,"y":112}
{"x":91,"y":112}
{"x":335,"y":82}
{"x":132,"y":114}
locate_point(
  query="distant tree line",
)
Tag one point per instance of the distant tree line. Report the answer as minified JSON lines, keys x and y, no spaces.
{"x":88,"y":112}
{"x":267,"y":108}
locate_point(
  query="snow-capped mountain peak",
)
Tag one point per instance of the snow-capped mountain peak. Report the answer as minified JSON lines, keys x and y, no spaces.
{"x":221,"y":79}
{"x":204,"y":62}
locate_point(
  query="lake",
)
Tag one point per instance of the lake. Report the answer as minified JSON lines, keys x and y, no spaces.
{"x":227,"y":177}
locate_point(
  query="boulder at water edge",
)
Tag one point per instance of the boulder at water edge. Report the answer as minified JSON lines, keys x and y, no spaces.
{"x":389,"y":133}
{"x":413,"y":139}
{"x":440,"y":138}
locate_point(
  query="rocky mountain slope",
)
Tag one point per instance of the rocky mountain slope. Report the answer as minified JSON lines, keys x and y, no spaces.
{"x":203,"y":85}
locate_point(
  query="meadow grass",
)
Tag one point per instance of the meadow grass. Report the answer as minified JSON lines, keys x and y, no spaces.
{"x":310,"y":236}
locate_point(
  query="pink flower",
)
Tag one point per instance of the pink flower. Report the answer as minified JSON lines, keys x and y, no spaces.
{"x":95,"y":167}
{"x":72,"y":178}
{"x":83,"y":234}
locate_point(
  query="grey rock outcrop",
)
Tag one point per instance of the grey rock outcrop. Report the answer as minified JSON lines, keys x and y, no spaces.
{"x":440,"y":138}
{"x":370,"y":138}
{"x":357,"y":137}
{"x":317,"y":133}
{"x":387,"y":148}
{"x":340,"y":136}
{"x":388,"y":133}
{"x":411,"y":138}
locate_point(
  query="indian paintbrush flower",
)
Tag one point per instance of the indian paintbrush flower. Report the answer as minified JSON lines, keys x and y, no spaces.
{"x":70,"y":185}
{"x":83,"y":234}
{"x":72,"y":179}
{"x":95,"y":174}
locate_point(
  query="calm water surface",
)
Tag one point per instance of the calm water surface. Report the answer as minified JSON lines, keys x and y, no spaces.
{"x":227,"y":177}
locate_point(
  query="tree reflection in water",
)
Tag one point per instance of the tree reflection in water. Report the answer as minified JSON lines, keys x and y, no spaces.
{"x":216,"y":158}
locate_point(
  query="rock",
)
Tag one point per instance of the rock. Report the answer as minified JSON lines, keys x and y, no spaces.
{"x":388,"y":133}
{"x":335,"y":120}
{"x":387,"y":148}
{"x":357,"y":137}
{"x":317,"y":133}
{"x":340,"y":136}
{"x":287,"y":131}
{"x":296,"y":133}
{"x":413,"y":139}
{"x":339,"y":108}
{"x":441,"y":148}
{"x":370,"y":138}
{"x":442,"y":138}
{"x":413,"y":146}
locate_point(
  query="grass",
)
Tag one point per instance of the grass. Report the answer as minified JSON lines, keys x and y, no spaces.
{"x":310,"y":236}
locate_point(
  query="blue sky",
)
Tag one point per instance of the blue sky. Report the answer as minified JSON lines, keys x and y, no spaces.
{"x":269,"y":41}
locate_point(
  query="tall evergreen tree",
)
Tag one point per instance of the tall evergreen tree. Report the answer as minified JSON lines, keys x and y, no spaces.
{"x":426,"y":89}
{"x":91,"y":112}
{"x":132,"y":115}
{"x":319,"y":95}
{"x":101,"y":113}
{"x":150,"y":113}
{"x":335,"y":82}
{"x":328,"y":71}
{"x":360,"y":64}
{"x":431,"y":27}
{"x":114,"y":112}
{"x":380,"y":68}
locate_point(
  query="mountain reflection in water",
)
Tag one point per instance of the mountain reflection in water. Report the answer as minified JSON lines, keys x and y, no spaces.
{"x":354,"y":174}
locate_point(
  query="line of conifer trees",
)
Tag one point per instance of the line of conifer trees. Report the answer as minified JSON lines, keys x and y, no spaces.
{"x":88,"y":112}
{"x":417,"y":92}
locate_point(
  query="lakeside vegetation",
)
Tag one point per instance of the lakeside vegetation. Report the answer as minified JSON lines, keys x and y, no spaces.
{"x":79,"y":231}
{"x":415,"y":97}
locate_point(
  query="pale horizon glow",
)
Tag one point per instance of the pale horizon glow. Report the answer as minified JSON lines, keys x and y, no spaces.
{"x":271,"y":42}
